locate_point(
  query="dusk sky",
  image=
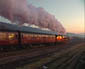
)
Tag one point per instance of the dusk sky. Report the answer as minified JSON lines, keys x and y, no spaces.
{"x":69,"y":12}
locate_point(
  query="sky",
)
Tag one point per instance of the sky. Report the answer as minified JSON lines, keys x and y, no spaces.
{"x":69,"y":12}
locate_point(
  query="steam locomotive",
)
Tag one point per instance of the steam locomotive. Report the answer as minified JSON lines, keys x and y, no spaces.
{"x":17,"y":36}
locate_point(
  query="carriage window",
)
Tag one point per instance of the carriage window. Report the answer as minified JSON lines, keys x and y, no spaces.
{"x":11,"y":36}
{"x":2,"y":36}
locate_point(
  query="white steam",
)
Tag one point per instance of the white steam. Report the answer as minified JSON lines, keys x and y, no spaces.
{"x":20,"y":12}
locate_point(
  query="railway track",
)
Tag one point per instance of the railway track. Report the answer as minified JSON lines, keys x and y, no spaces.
{"x":66,"y":59}
{"x":32,"y":56}
{"x":22,"y":57}
{"x":80,"y":64}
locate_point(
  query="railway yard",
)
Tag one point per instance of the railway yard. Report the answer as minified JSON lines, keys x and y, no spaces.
{"x":42,"y":34}
{"x":62,"y":56}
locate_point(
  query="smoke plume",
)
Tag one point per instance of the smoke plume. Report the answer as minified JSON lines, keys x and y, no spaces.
{"x":20,"y":12}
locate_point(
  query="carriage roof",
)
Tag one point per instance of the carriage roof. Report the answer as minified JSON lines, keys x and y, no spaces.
{"x":15,"y":28}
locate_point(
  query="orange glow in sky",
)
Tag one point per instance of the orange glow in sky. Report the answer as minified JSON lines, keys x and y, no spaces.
{"x":69,"y":12}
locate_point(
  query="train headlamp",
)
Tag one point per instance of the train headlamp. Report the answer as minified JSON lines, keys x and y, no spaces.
{"x":63,"y":36}
{"x":59,"y":37}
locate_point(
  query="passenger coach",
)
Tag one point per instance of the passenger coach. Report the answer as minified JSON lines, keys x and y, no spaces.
{"x":16,"y":36}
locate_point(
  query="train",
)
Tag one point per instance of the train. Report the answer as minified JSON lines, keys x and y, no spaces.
{"x":19,"y":36}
